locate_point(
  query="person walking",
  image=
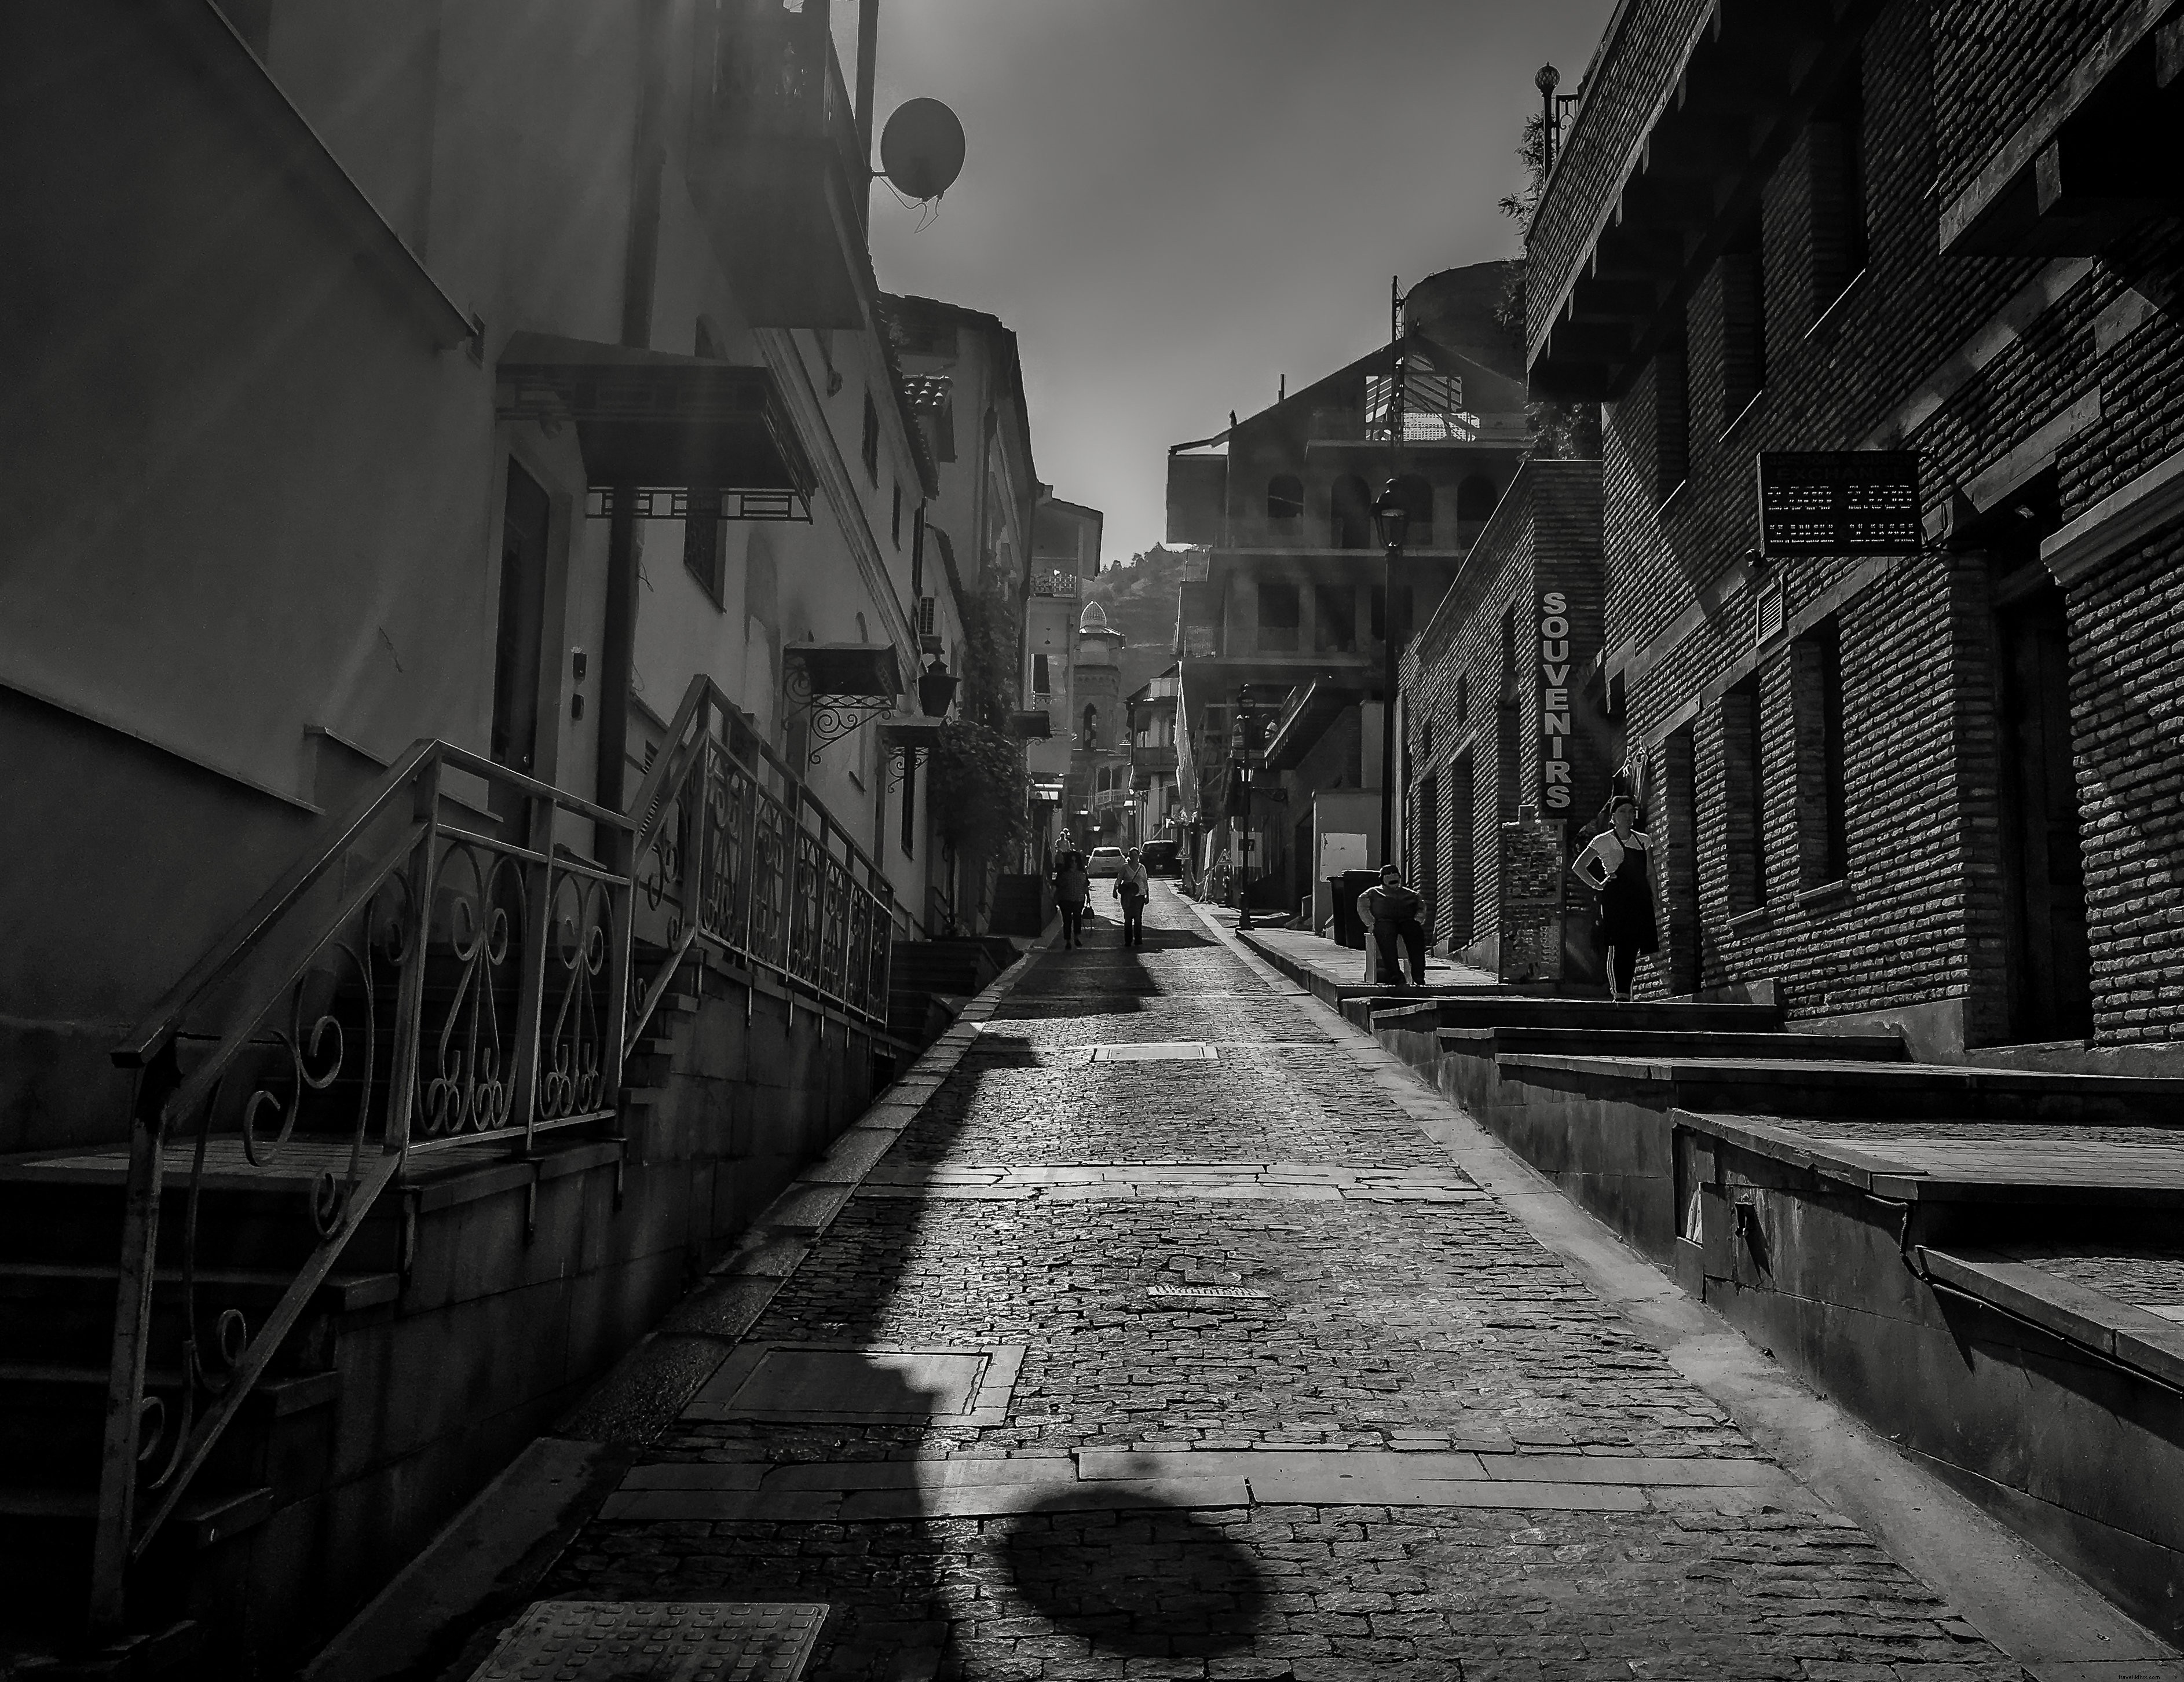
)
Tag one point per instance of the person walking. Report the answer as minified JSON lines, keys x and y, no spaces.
{"x":1398,"y":913}
{"x":1134,"y":887}
{"x":1614,"y":865}
{"x":1073,"y":887}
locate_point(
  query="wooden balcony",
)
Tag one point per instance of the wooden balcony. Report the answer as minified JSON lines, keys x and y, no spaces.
{"x":777,"y":168}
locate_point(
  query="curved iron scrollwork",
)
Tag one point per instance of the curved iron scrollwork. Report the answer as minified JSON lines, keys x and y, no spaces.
{"x":572,"y":1052}
{"x":831,"y":715}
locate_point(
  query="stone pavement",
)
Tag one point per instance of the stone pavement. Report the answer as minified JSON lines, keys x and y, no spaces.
{"x":1204,"y":1361}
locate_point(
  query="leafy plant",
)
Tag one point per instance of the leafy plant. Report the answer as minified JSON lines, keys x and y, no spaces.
{"x":978,"y":792}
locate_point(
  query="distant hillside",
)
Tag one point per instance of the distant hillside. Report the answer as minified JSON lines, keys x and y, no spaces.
{"x":1140,"y":598}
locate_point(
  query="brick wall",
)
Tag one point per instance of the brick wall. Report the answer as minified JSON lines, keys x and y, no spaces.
{"x":1545,"y":537}
{"x":1622,"y":86}
{"x":1994,"y":60}
{"x":1919,"y":919}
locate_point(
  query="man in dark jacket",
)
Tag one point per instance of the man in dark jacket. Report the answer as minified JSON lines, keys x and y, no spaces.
{"x":1398,"y":913}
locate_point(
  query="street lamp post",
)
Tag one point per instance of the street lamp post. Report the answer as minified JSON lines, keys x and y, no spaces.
{"x":1240,"y":801}
{"x":1391,"y":519}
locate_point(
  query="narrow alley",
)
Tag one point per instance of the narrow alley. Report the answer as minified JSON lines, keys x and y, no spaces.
{"x":1159,"y":1339}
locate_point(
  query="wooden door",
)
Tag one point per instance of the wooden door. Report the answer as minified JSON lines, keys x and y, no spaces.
{"x":2043,"y":867}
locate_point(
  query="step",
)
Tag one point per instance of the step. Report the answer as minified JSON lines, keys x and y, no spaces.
{"x":1822,"y":1086}
{"x":1672,"y":1042}
{"x":1519,"y":1009}
{"x":2003,"y":1301}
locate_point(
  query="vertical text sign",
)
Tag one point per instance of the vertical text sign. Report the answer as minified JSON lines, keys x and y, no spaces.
{"x":1554,"y":701}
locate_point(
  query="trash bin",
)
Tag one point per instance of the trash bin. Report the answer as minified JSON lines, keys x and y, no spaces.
{"x":1344,"y":889}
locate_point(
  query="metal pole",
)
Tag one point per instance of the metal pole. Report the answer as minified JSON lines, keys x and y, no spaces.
{"x":1398,"y":377}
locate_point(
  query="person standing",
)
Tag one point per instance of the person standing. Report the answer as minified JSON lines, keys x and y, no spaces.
{"x":1134,"y":887}
{"x":1073,"y":887}
{"x":1614,"y":864}
{"x":1398,"y":913}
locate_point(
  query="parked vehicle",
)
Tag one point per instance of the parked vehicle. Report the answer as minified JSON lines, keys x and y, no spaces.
{"x":1162,"y":858}
{"x":1105,"y":861}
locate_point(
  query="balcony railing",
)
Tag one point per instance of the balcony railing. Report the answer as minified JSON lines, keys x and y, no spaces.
{"x":775,"y":78}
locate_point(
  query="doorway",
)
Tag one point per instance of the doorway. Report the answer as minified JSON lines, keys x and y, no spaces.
{"x":1462,"y":859}
{"x":518,"y":637}
{"x":2044,"y":943}
{"x":1428,"y":870}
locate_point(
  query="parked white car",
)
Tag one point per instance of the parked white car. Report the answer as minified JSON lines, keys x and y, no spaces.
{"x":1105,"y":861}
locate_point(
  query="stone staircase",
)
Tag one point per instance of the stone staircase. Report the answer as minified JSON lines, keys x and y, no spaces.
{"x":1984,"y":1263}
{"x":930,"y":981}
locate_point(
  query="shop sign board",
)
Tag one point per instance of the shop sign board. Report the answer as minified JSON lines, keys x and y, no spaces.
{"x":1847,"y":502}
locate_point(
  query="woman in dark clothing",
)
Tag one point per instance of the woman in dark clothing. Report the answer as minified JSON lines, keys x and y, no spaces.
{"x":1613,"y":864}
{"x":1073,"y":887}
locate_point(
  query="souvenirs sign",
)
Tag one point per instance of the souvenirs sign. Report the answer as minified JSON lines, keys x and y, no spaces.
{"x":1839,"y":503}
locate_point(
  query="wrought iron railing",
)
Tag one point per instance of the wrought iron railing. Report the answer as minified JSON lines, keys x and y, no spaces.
{"x":733,"y":850}
{"x":426,"y":977}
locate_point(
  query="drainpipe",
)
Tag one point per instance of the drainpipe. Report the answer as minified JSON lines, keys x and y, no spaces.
{"x":868,"y":36}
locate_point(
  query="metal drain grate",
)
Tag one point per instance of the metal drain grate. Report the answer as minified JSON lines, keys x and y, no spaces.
{"x":686,"y":1640}
{"x":1225,"y":1293}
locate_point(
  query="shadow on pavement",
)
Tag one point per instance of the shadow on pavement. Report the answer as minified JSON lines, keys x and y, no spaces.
{"x":1157,"y":1583}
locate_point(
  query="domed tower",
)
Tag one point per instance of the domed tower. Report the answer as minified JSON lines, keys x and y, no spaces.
{"x":1099,"y":693}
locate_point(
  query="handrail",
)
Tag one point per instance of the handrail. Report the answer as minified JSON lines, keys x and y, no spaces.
{"x":316,"y":1011}
{"x":152,"y":1035}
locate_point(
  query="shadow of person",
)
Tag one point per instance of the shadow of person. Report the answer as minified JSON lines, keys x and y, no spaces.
{"x":1157,"y":1582}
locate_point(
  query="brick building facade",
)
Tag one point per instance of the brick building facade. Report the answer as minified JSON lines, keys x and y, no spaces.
{"x":1937,"y":790}
{"x":1488,"y":728}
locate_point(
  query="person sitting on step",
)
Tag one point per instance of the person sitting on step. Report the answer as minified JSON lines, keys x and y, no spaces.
{"x":1398,"y":912}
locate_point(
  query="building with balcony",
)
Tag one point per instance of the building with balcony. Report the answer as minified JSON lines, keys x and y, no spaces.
{"x":1066,"y":553}
{"x":1161,"y":814}
{"x":508,"y":586}
{"x":1295,"y":599}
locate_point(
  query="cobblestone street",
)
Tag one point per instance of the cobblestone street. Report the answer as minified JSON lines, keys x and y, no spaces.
{"x":1401,"y":1438}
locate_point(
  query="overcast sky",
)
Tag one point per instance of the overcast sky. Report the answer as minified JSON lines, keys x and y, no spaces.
{"x":1174,"y":201}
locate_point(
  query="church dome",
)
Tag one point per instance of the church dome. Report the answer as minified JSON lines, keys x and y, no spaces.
{"x":1094,"y":618}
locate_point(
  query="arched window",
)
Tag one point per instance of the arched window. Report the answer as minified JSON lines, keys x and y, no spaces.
{"x":1417,"y":498}
{"x":1474,"y":506}
{"x":1091,"y":726}
{"x":1285,"y":498}
{"x":1350,"y":514}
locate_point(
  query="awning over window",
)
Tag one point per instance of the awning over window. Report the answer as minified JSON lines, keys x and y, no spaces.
{"x":862,"y":670}
{"x":649,"y":419}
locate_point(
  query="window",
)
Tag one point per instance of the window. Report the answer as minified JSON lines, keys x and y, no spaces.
{"x":894,"y":518}
{"x":1091,"y":726}
{"x":1335,"y":618}
{"x":1816,"y":704}
{"x":1280,"y":616}
{"x":704,"y":543}
{"x":909,"y":802}
{"x":1350,"y":514}
{"x":1285,"y":498}
{"x":917,"y":552}
{"x":1744,"y":796}
{"x":1463,"y":698}
{"x":871,"y":443}
{"x":1679,"y":838}
{"x":1040,"y":683}
{"x":1743,"y":323}
{"x":1475,"y":506}
{"x":1835,"y":148}
{"x":1672,"y":419}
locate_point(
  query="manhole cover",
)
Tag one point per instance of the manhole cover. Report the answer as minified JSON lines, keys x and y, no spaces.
{"x":1156,"y":1051}
{"x":1224,"y":1293}
{"x":670,"y":1640}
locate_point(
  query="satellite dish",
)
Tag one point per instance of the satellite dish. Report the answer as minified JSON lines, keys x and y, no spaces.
{"x":922,"y":149}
